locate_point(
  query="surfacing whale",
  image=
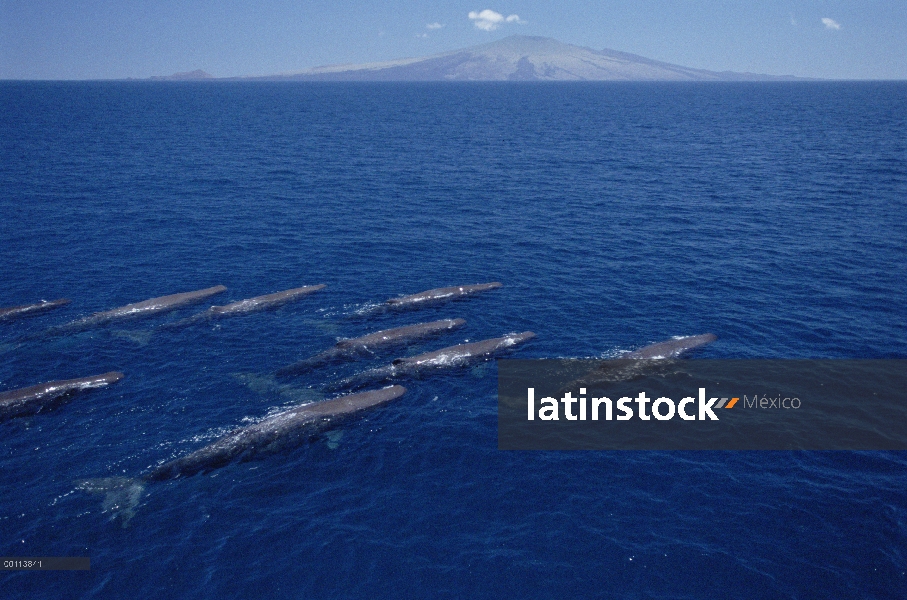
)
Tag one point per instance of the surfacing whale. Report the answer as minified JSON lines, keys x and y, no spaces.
{"x":284,"y":430}
{"x":141,"y":309}
{"x":350,"y":349}
{"x":671,"y":348}
{"x":28,"y":310}
{"x":445,"y":358}
{"x":639,"y":362}
{"x":439,"y":295}
{"x":250,"y":305}
{"x":272,"y":434}
{"x":33,"y":399}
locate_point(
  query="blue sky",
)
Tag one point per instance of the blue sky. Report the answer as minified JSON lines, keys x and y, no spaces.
{"x":99,"y":39}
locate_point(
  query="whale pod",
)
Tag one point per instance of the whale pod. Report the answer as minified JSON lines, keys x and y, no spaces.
{"x":24,"y":401}
{"x":445,"y":358}
{"x":250,"y":305}
{"x":144,"y":308}
{"x":440,"y":295}
{"x":272,"y":434}
{"x":349,"y":349}
{"x":28,"y":310}
{"x":672,"y":348}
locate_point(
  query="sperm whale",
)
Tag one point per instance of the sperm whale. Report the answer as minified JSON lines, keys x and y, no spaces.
{"x":445,"y":358}
{"x":350,"y":349}
{"x":28,"y":310}
{"x":638,"y":362}
{"x":145,"y":308}
{"x":250,"y":305}
{"x":272,"y":434}
{"x":439,"y":295}
{"x":672,"y":348}
{"x":33,"y":399}
{"x":290,"y":427}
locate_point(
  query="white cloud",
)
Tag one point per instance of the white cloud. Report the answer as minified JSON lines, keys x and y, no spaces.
{"x":793,"y":19}
{"x":489,"y":20}
{"x":434,"y":26}
{"x":831,"y":23}
{"x":421,"y":35}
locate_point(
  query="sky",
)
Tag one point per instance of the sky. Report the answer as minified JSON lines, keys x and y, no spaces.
{"x":114,"y":39}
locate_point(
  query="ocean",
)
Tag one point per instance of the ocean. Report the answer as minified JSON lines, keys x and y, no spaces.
{"x":773,"y":215}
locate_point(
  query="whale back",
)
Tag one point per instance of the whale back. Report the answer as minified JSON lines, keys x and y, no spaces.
{"x":14,"y":403}
{"x":28,"y":310}
{"x":672,"y":348}
{"x":273,"y":433}
{"x":438,"y":294}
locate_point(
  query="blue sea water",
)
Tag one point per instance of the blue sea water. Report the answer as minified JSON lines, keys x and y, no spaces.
{"x":773,"y":215}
